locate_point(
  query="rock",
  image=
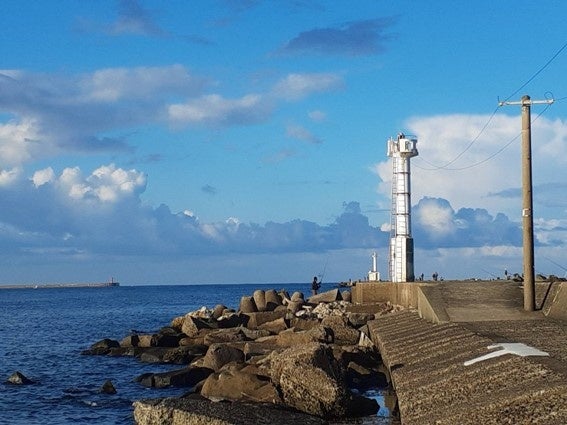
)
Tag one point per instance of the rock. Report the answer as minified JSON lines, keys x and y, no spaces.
{"x":191,"y":411}
{"x":300,"y":324}
{"x":101,"y":347}
{"x":176,"y":355}
{"x":275,"y":326}
{"x":145,"y":340}
{"x":297,"y":296}
{"x":361,"y":378}
{"x":218,"y":311}
{"x":177,"y":323}
{"x":325,"y":297}
{"x":108,"y":387}
{"x":290,"y":337}
{"x":166,"y":340}
{"x":192,"y":325}
{"x":310,"y":380}
{"x":18,"y":378}
{"x":342,"y":333}
{"x":294,"y":306}
{"x":220,"y":354}
{"x":346,"y":296}
{"x":247,"y":305}
{"x":253,"y":348}
{"x":273,"y":300}
{"x":256,"y":319}
{"x":235,"y":384}
{"x":253,"y":334}
{"x":224,"y":335}
{"x":260,"y":299}
{"x":186,"y":377}
{"x":130,"y":341}
{"x":232,"y":320}
{"x":359,"y":319}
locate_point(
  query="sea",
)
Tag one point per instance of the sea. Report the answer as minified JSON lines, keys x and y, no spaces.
{"x":44,"y":330}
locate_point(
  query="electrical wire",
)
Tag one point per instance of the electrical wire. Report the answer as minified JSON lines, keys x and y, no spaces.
{"x":482,"y":130}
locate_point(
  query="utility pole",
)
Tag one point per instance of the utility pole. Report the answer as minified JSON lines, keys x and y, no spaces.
{"x":527,"y":198}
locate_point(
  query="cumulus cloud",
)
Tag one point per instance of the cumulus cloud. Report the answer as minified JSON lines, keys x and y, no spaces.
{"x":461,"y":162}
{"x":356,"y":38}
{"x":52,"y":114}
{"x":437,"y":225}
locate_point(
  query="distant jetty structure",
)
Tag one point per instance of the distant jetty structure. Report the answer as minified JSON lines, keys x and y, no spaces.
{"x":401,"y":150}
{"x":111,"y":283}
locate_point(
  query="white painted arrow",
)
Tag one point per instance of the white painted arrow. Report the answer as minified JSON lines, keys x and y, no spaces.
{"x":516,"y":348}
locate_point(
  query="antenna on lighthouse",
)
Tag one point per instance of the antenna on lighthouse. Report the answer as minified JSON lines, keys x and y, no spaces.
{"x":401,"y":150}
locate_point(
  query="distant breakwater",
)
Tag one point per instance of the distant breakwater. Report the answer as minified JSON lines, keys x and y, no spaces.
{"x":62,"y":285}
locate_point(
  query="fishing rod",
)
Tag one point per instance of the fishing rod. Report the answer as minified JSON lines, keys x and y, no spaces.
{"x":322,"y":275}
{"x":557,"y":264}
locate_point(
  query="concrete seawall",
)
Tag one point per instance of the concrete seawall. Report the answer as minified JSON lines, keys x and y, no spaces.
{"x":449,"y":323}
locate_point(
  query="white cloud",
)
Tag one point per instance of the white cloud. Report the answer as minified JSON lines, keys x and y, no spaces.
{"x":114,"y":84}
{"x":44,"y":176}
{"x":460,"y":162}
{"x":298,"y":86}
{"x":8,"y":177}
{"x":20,"y":141}
{"x":317,"y":116}
{"x":217,"y":110}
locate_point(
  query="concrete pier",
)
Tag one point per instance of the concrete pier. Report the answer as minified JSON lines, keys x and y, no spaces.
{"x":448,"y":324}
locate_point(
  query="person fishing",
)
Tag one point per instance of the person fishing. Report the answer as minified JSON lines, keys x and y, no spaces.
{"x":315,"y":285}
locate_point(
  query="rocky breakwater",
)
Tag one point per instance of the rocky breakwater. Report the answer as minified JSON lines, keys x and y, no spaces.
{"x":301,"y":361}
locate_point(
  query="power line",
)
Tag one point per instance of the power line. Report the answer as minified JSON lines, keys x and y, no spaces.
{"x":489,"y":120}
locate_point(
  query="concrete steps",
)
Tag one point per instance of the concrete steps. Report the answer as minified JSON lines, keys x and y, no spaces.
{"x":426,"y":363}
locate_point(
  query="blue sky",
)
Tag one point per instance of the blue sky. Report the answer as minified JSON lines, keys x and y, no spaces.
{"x":245,"y":141}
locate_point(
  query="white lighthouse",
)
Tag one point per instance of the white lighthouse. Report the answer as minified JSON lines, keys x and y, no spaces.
{"x":401,"y":150}
{"x":374,"y":274}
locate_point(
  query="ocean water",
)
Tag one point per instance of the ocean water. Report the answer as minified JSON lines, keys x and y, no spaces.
{"x":43,"y":331}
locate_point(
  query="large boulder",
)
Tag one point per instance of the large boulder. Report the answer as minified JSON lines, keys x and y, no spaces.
{"x":102,"y":347}
{"x":290,"y":337}
{"x":274,"y":326}
{"x":258,"y":318}
{"x":175,"y":355}
{"x":193,"y":411}
{"x":192,"y":325}
{"x":260,"y":299}
{"x":224,"y":335}
{"x":186,"y":377}
{"x":310,"y":380}
{"x":273,"y":300}
{"x":220,"y":354}
{"x":342,"y":333}
{"x":234,"y":383}
{"x":247,"y":305}
{"x":326,"y":297}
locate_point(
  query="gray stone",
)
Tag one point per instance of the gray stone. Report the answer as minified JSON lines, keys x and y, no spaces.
{"x":310,"y":380}
{"x":247,"y":305}
{"x":220,"y":354}
{"x":234,"y":383}
{"x":260,"y":299}
{"x":342,"y":333}
{"x":326,"y":297}
{"x":191,"y":411}
{"x":186,"y":377}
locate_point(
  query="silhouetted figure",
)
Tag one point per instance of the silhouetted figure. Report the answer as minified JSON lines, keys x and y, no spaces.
{"x":315,"y":285}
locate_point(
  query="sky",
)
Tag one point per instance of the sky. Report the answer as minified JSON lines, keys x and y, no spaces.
{"x":244,"y":141}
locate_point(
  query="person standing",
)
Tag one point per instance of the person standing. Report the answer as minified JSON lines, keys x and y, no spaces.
{"x":315,"y":285}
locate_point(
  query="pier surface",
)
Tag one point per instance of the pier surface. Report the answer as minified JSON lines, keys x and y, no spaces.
{"x":442,"y":352}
